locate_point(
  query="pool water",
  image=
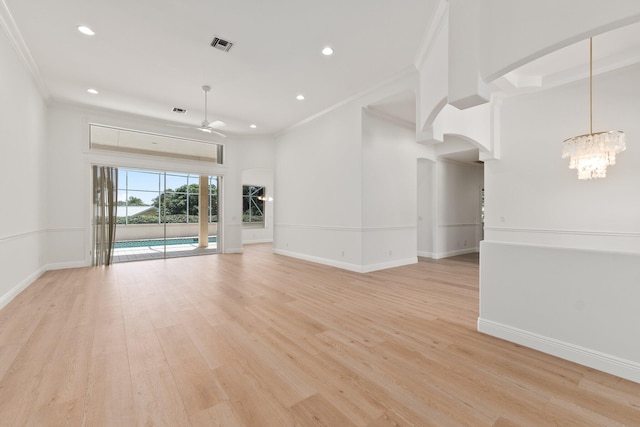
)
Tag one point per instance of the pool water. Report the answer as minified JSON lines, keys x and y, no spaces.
{"x":159,"y":242}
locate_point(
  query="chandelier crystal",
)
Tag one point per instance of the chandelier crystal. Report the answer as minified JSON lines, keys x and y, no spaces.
{"x":591,"y":153}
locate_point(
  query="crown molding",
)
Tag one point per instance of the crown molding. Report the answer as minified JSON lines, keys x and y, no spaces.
{"x":15,"y":38}
{"x":434,"y":27}
{"x":407,"y":73}
{"x":393,"y":119}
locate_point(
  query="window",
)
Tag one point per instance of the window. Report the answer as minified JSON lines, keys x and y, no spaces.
{"x":253,"y":198}
{"x":155,"y":197}
{"x":138,"y":192}
{"x":213,"y":199}
{"x":128,"y":141}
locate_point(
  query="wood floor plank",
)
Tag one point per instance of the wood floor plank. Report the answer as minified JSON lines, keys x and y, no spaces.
{"x":221,"y":415}
{"x":19,"y":387}
{"x":157,"y":399}
{"x":389,"y":419}
{"x":143,"y":347}
{"x":431,"y":407}
{"x":339,"y":385}
{"x":316,"y":411}
{"x":198,"y":385}
{"x":254,"y":405}
{"x":257,"y":339}
{"x":8,"y":354}
{"x":282,"y":379}
{"x":22,"y":316}
{"x":109,"y":396}
{"x":63,"y":414}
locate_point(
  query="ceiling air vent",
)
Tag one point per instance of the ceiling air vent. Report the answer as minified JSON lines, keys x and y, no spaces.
{"x":221,"y":44}
{"x":179,"y":110}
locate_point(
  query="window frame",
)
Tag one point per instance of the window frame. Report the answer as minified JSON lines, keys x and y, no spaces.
{"x":254,"y":200}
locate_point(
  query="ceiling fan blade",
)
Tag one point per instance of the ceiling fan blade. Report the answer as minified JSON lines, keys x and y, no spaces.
{"x":207,"y":129}
{"x":206,"y":126}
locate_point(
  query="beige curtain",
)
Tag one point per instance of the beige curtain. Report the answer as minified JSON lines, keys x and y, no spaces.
{"x":105,"y":201}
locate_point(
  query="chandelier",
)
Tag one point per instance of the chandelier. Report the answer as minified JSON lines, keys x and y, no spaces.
{"x":591,"y":153}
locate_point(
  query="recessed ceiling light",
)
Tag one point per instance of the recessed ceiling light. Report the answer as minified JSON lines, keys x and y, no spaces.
{"x":300,"y":97}
{"x":252,"y":126}
{"x":86,"y":30}
{"x":92,"y":91}
{"x":327,"y":51}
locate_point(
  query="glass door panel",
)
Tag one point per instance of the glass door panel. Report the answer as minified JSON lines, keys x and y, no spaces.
{"x":159,"y":215}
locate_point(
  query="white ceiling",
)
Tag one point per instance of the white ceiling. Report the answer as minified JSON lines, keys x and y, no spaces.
{"x":149,"y":56}
{"x":611,"y":50}
{"x":401,"y":106}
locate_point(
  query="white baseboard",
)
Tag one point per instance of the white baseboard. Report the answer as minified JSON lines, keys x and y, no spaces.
{"x":318,"y":260}
{"x":594,"y":359}
{"x":15,"y":291}
{"x":254,"y":241}
{"x":425,"y":254}
{"x":389,"y":264}
{"x":345,"y":265}
{"x":65,"y":265}
{"x":448,"y":254}
{"x":232,"y":251}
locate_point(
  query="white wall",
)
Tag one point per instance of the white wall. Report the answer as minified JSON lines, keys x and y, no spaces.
{"x":389,"y":193}
{"x":434,"y":78}
{"x":466,"y":88}
{"x":67,"y":190}
{"x":22,"y":173}
{"x":426,"y":207}
{"x":318,"y":182}
{"x":346,"y":187}
{"x":559,"y":267}
{"x":458,"y":222}
{"x":532,"y":189}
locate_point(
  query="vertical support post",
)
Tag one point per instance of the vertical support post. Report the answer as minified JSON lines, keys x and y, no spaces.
{"x":203,"y":212}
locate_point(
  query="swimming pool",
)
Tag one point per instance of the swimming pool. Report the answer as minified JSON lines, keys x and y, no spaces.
{"x":159,"y":242}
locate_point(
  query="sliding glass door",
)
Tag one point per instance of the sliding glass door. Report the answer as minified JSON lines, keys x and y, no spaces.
{"x":165,"y":214}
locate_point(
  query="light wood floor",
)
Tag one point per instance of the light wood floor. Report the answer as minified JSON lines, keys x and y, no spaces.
{"x":259,"y":340}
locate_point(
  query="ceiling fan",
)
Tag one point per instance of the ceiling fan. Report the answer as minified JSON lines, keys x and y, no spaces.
{"x":207,"y":126}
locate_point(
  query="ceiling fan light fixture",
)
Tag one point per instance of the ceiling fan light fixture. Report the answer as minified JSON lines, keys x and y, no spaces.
{"x":206,"y":126}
